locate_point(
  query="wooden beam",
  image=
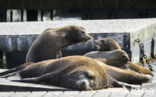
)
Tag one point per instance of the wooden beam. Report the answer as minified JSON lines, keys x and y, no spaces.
{"x":80,"y":4}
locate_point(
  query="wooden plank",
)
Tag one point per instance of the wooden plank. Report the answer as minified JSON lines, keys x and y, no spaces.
{"x":86,"y":93}
{"x":6,"y":94}
{"x":150,"y":93}
{"x":53,"y":94}
{"x":69,"y":94}
{"x":20,"y":94}
{"x":102,"y":93}
{"x":119,"y":93}
{"x":36,"y":94}
{"x":136,"y":93}
{"x":84,"y":4}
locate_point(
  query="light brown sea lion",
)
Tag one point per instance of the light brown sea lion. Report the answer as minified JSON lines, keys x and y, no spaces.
{"x":118,"y":58}
{"x":114,"y":54}
{"x":80,"y":73}
{"x":51,"y":41}
{"x":107,"y":44}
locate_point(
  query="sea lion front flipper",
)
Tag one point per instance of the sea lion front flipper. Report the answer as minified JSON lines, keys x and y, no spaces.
{"x":48,"y":78}
{"x":13,"y":70}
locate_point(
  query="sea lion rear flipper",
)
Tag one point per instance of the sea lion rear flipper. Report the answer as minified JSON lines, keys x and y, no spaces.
{"x":116,"y":83}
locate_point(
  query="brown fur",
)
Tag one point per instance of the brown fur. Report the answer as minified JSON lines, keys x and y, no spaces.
{"x":118,"y":58}
{"x":52,"y":40}
{"x":115,"y":54}
{"x":126,"y":76}
{"x":138,"y":68}
{"x":80,"y":73}
{"x":107,"y":44}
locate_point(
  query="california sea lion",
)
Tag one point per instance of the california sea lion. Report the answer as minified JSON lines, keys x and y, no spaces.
{"x":118,"y":58}
{"x":78,"y":72}
{"x":106,"y":44}
{"x":114,"y":54}
{"x":52,"y":40}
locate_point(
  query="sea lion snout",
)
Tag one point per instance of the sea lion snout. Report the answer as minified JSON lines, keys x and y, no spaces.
{"x":83,"y":84}
{"x":85,"y":37}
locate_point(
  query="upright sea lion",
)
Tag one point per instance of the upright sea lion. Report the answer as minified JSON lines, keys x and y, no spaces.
{"x":80,"y":73}
{"x":107,"y":44}
{"x":52,"y":40}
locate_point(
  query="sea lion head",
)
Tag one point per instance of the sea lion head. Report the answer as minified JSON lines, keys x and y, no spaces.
{"x":101,"y":45}
{"x":122,"y":55}
{"x":106,"y":44}
{"x":76,"y":34}
{"x":85,"y":80}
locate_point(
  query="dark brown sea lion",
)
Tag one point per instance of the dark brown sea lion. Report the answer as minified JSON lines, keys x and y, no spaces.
{"x":80,"y":73}
{"x":107,"y":44}
{"x":51,"y":41}
{"x":48,"y":45}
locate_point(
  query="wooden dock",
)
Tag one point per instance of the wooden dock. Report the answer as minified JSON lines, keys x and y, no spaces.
{"x":17,"y":89}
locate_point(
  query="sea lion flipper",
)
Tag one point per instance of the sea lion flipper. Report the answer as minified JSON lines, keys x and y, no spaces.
{"x":48,"y":78}
{"x":7,"y":72}
{"x":13,"y":70}
{"x":116,"y":83}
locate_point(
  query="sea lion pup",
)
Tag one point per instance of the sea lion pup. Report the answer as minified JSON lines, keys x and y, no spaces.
{"x":52,"y":40}
{"x":74,"y":72}
{"x":106,"y":44}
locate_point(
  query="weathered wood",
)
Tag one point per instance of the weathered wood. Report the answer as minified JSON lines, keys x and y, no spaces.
{"x":86,"y":93}
{"x":54,"y":94}
{"x":36,"y":94}
{"x":6,"y":94}
{"x":119,"y":93}
{"x":102,"y":93}
{"x":69,"y":94}
{"x":20,"y":94}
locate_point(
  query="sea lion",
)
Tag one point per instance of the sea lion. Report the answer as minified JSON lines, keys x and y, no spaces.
{"x":107,"y":44}
{"x":123,"y":75}
{"x":52,"y":40}
{"x":79,"y":73}
{"x":118,"y":58}
{"x":114,"y":54}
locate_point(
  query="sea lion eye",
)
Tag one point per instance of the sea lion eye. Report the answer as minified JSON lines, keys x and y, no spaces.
{"x":82,"y":32}
{"x":89,"y":75}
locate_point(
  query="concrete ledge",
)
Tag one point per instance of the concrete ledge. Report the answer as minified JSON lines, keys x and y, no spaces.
{"x":17,"y":37}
